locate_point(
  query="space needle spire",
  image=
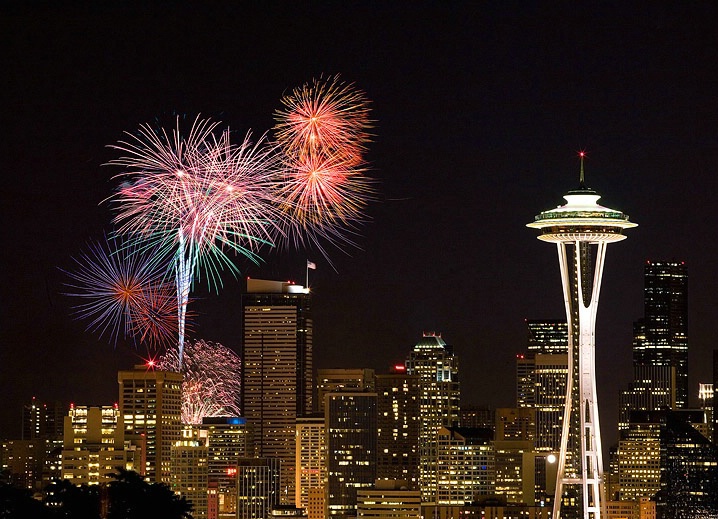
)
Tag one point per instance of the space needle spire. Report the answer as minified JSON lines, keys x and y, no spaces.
{"x":581,"y":229}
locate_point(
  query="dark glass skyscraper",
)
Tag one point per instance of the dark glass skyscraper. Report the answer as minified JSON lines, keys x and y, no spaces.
{"x":661,"y":337}
{"x":277,"y":369}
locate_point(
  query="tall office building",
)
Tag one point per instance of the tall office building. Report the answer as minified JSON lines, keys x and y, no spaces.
{"x":438,"y":369}
{"x":661,"y":337}
{"x":513,"y":442}
{"x":151,"y":406}
{"x":351,"y":428}
{"x":398,"y":427}
{"x":43,"y":420}
{"x":705,"y":402}
{"x":639,"y":457}
{"x":93,"y":445}
{"x":311,"y":460}
{"x":581,"y":230}
{"x":258,"y":487}
{"x":43,"y":427}
{"x":337,"y":380}
{"x":278,"y":369}
{"x":389,"y":499}
{"x":547,"y":336}
{"x":653,"y":388}
{"x":689,"y":469}
{"x":228,"y":439}
{"x":541,"y":379}
{"x":189,"y":469}
{"x":466,"y":465}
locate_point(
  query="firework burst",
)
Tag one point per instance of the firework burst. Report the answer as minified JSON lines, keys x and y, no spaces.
{"x":211,"y":379}
{"x":324,"y":117}
{"x":116,"y":283}
{"x":323,"y":132}
{"x":200,"y":198}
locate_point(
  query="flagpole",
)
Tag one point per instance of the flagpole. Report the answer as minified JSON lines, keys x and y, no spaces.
{"x":307,"y":285}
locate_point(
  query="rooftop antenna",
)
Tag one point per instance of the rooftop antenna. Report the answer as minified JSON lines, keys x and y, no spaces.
{"x":582,"y":184}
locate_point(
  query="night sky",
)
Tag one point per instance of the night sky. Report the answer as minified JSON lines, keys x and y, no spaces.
{"x":480,"y":111}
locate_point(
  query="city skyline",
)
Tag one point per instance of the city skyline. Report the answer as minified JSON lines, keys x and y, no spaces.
{"x":477,"y":120}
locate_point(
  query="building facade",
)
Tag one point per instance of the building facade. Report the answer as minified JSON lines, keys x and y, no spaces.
{"x":277,"y":369}
{"x":438,"y":370}
{"x":351,"y":428}
{"x":151,"y":408}
{"x":399,"y":423}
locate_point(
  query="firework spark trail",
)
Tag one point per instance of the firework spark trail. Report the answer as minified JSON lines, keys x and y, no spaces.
{"x":323,"y":133}
{"x":211,"y":379}
{"x":201,"y":197}
{"x":114,"y":280}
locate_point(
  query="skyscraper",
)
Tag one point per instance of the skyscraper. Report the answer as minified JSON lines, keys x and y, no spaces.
{"x":277,"y":362}
{"x":581,"y":230}
{"x":466,"y":466}
{"x":188,"y":461}
{"x":337,"y":380}
{"x":541,"y":377}
{"x":151,"y":406}
{"x":399,"y":423}
{"x":228,"y":439}
{"x":351,"y":428}
{"x":93,"y":447}
{"x":311,"y":460}
{"x":661,"y":337}
{"x":438,"y":370}
{"x":258,"y":487}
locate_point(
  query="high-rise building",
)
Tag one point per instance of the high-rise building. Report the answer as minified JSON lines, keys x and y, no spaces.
{"x":705,"y":403}
{"x":581,"y":230}
{"x":639,"y":457}
{"x":398,"y":427}
{"x":43,"y":420}
{"x":689,"y":469}
{"x":228,"y":439}
{"x":541,"y":378}
{"x":466,"y":465}
{"x":482,"y":417}
{"x":351,"y":428}
{"x":258,"y":487}
{"x":652,"y":388}
{"x":43,"y":428}
{"x":513,"y":441}
{"x":151,"y":407}
{"x":547,"y":336}
{"x":189,"y":469}
{"x":661,"y":337}
{"x":93,"y":445}
{"x":22,"y":461}
{"x":438,"y":369}
{"x":311,"y":460}
{"x":389,"y":499}
{"x":337,"y":380}
{"x":277,"y":362}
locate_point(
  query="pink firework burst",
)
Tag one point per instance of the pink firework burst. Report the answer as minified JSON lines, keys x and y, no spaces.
{"x":114,"y":281}
{"x":326,"y":116}
{"x":212,"y":379}
{"x":200,"y":198}
{"x":323,"y":132}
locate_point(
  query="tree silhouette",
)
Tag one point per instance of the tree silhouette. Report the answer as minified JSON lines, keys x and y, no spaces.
{"x":70,"y":501}
{"x":131,"y":497}
{"x":17,"y":503}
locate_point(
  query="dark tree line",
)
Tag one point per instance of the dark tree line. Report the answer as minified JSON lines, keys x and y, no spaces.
{"x":127,"y":497}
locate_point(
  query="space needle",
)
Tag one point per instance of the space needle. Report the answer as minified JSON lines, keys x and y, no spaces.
{"x":581,"y":229}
